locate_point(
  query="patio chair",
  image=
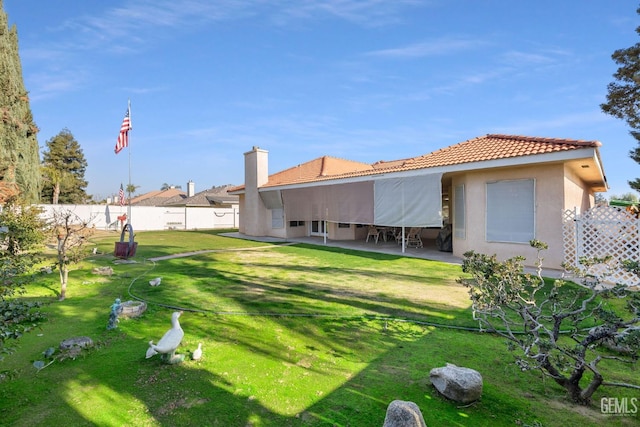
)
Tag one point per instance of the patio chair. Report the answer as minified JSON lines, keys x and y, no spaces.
{"x":398,"y":235}
{"x":374,"y":233}
{"x":413,"y":239}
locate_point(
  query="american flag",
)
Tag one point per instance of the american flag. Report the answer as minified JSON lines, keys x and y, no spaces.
{"x":123,"y":137}
{"x":121,"y":195}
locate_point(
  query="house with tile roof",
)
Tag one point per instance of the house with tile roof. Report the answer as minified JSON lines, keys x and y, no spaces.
{"x":159,"y":197}
{"x":495,"y":193}
{"x":216,"y":196}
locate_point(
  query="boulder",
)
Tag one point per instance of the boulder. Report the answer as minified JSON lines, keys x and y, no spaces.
{"x":81,"y":342}
{"x":72,"y":347}
{"x":457,"y":383}
{"x":401,"y":413}
{"x":103,"y":271}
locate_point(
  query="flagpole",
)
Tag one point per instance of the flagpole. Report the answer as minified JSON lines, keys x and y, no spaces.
{"x":129,"y":146}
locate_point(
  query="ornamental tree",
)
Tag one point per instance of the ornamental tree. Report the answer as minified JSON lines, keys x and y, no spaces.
{"x":563,"y":331}
{"x":71,"y":233}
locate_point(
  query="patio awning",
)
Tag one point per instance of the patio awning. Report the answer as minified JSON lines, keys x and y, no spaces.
{"x":409,"y":201}
{"x":346,"y":203}
{"x":414,"y":201}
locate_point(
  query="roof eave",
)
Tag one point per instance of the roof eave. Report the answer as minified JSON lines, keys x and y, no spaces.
{"x":561,"y":156}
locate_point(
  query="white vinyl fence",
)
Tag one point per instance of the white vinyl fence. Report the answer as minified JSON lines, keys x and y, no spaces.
{"x":600,"y":232}
{"x":147,"y":218}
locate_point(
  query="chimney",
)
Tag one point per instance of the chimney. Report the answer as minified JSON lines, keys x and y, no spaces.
{"x":191,"y":188}
{"x":256,"y":174}
{"x":256,"y":168}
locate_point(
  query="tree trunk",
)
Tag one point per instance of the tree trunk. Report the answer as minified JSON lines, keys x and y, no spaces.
{"x":64,"y":275}
{"x":586,"y":394}
{"x":56,"y":193}
{"x":62,"y":267}
{"x":572,"y":384}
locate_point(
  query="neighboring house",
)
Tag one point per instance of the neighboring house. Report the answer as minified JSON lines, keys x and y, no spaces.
{"x":159,"y":197}
{"x":212,"y":206}
{"x":215,"y":197}
{"x":497,"y":191}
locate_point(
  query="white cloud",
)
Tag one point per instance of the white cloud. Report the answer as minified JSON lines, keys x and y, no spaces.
{"x":369,"y":13}
{"x":442,"y":46}
{"x":525,"y":58}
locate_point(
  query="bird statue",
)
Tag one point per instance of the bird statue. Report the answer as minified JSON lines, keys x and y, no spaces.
{"x":197,"y":353}
{"x":156,"y":281}
{"x":169,"y":342}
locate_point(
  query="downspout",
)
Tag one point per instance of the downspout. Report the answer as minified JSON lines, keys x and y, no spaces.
{"x":404,"y":244}
{"x":324,"y":229}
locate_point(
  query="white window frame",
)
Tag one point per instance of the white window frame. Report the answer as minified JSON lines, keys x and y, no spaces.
{"x":510,"y":211}
{"x":459,"y":212}
{"x":277,"y":218}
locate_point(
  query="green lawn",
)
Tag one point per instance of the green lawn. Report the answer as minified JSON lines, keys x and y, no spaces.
{"x":296,"y":335}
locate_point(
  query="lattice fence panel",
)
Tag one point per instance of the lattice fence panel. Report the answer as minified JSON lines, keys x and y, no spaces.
{"x":603,"y":231}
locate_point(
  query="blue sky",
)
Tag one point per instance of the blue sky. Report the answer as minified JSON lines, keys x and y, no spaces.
{"x":364,"y":80}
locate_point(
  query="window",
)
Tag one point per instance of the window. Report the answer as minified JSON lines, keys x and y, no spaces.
{"x":459,"y":223}
{"x":317,"y":227}
{"x":344,"y":225}
{"x":277,"y":218}
{"x":296,"y":223}
{"x":511,"y":211}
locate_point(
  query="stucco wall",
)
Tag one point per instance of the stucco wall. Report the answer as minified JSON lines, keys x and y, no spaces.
{"x":337,"y":233}
{"x":145,"y":218}
{"x":575,"y":195}
{"x":299,"y":231}
{"x":242,"y":220}
{"x":549,"y":204}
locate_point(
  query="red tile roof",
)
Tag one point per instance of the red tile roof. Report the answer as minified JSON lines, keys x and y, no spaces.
{"x":158,"y":197}
{"x":209,"y":197}
{"x":488,"y":147}
{"x":492,"y":147}
{"x":318,"y":168}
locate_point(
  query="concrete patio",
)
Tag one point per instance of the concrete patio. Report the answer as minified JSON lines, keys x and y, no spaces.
{"x":429,"y":251}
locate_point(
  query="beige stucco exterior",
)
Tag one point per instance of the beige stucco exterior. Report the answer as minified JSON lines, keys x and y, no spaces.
{"x":554,"y":193}
{"x":558,"y":186}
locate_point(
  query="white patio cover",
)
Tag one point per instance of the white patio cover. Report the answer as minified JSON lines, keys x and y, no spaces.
{"x":409,"y":201}
{"x":398,"y":202}
{"x":347,"y":203}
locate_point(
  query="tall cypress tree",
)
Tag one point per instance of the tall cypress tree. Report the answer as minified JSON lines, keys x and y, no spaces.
{"x":19,"y":153}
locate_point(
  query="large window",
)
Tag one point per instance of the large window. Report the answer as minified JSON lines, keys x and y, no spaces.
{"x":459,"y":223}
{"x":277,"y":218}
{"x":511,"y":211}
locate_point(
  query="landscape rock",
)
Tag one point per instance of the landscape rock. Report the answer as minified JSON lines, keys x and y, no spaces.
{"x":81,"y":342}
{"x":103,"y":271}
{"x":72,"y":347}
{"x":402,"y":413}
{"x":457,"y":383}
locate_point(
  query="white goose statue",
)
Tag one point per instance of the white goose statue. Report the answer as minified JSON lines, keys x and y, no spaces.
{"x":169,"y":342}
{"x":197,"y":353}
